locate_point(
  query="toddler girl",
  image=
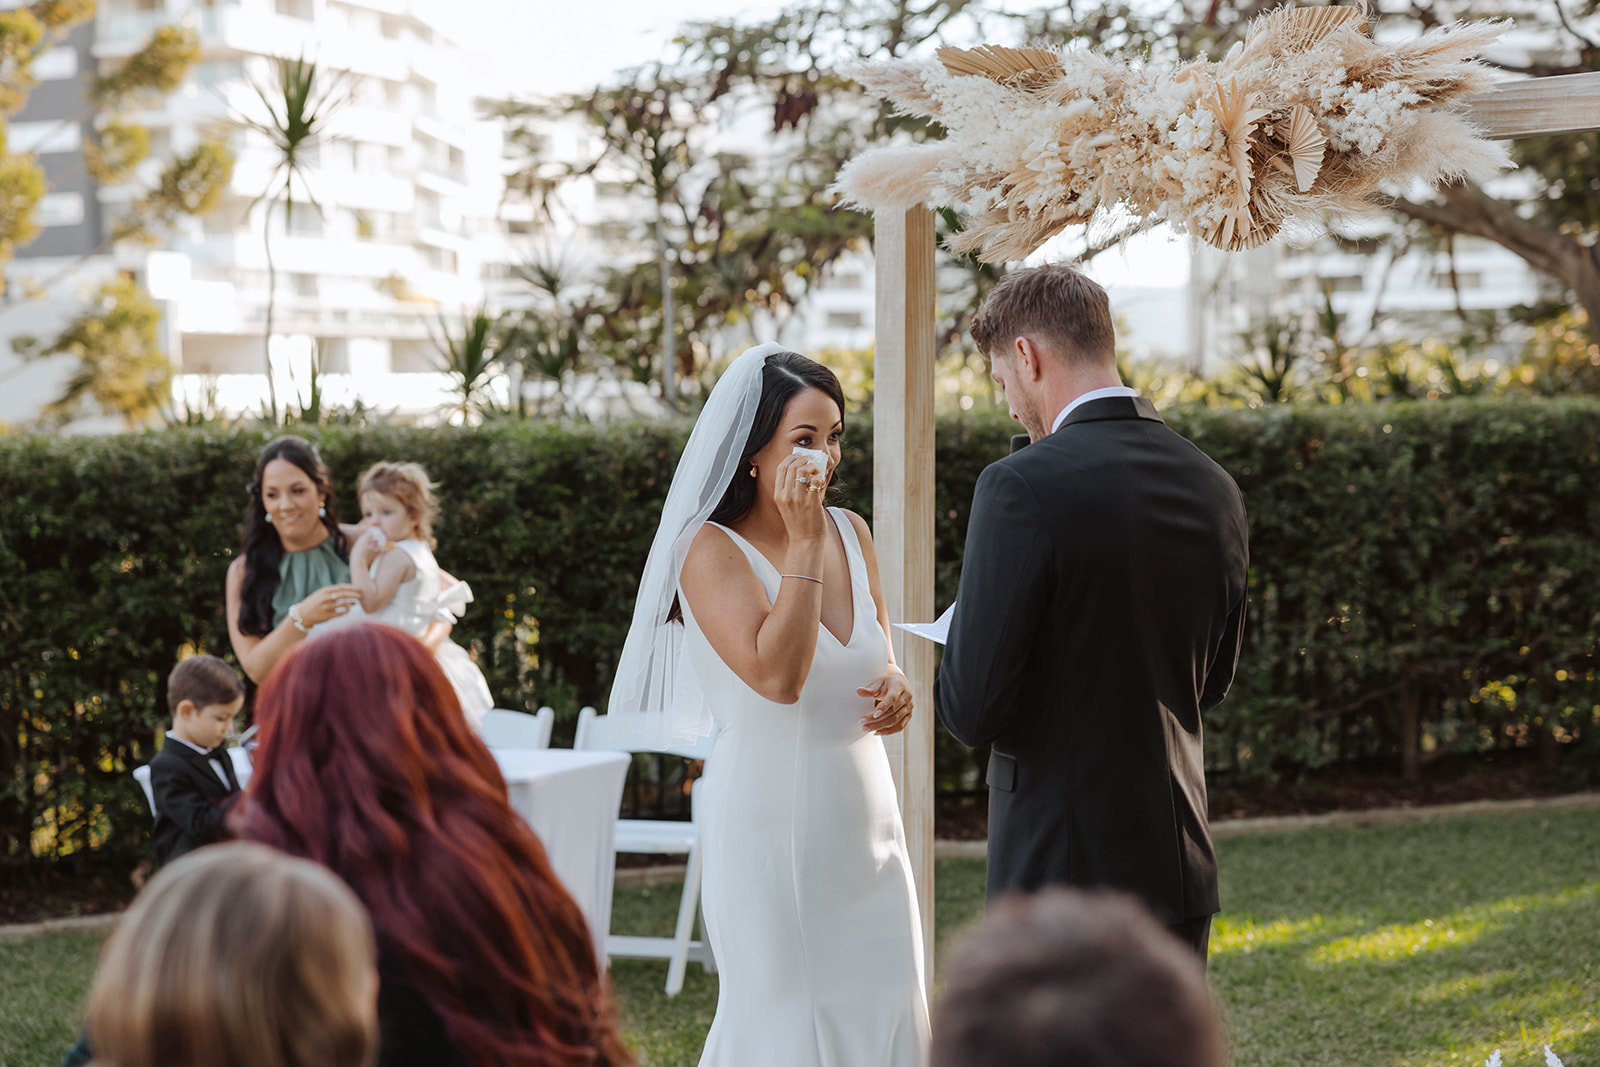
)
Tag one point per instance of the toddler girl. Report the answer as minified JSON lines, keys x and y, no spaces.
{"x":400,"y":582}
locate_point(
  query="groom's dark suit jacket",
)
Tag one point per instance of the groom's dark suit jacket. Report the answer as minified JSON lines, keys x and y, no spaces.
{"x":191,"y":801}
{"x":1101,"y":607}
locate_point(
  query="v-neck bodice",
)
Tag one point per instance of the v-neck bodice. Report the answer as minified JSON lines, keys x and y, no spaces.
{"x":860,"y":587}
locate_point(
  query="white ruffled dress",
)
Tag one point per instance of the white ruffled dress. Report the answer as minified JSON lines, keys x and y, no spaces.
{"x":419,"y":602}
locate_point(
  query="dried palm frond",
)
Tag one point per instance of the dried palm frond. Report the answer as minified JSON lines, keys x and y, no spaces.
{"x":1294,"y":29}
{"x":1250,"y":226}
{"x":1237,"y":114}
{"x":1306,"y":145}
{"x":1023,"y":68}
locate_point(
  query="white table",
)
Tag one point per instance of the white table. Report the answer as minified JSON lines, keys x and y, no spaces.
{"x":570,"y":799}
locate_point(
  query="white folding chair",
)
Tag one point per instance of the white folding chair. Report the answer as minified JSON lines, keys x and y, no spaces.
{"x":242,"y":767}
{"x":657,"y":837}
{"x":501,"y":728}
{"x":141,"y":774}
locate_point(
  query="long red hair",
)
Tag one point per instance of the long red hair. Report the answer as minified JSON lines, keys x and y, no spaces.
{"x":367,"y":766}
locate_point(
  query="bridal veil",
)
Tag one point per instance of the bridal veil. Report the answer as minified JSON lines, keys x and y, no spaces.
{"x":655,"y":696}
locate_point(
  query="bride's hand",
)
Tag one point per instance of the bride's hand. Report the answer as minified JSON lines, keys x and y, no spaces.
{"x":891,"y":705}
{"x":798,"y":492}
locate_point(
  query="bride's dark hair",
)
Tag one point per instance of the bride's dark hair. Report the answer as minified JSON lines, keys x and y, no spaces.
{"x":263,"y":550}
{"x":784,"y":376}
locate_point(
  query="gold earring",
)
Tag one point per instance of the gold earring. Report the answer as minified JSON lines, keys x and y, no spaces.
{"x":752,"y":470}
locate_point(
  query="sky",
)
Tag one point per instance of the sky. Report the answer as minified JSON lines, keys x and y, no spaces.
{"x":566,"y":45}
{"x":569,"y":45}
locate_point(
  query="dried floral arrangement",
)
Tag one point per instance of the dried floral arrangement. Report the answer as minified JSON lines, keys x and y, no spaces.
{"x":1307,"y":114}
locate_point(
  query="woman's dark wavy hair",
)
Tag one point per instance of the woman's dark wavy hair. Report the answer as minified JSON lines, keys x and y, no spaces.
{"x":263,"y":550}
{"x":784,"y":376}
{"x":367,"y":766}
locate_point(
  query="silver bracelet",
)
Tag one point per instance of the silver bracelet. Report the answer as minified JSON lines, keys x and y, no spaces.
{"x":805,"y":577}
{"x":294,"y":617}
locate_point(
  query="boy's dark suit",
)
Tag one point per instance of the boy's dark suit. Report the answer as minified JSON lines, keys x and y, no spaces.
{"x":191,"y":800}
{"x":1101,"y":608}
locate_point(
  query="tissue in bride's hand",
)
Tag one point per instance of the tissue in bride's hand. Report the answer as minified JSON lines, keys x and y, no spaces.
{"x":815,"y":455}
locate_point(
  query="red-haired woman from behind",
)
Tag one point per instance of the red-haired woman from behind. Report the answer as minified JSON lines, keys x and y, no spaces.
{"x":367,"y":766}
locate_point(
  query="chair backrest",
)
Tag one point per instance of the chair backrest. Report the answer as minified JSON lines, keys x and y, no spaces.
{"x":595,"y":733}
{"x":242,"y":767}
{"x":501,"y":728}
{"x":141,"y":774}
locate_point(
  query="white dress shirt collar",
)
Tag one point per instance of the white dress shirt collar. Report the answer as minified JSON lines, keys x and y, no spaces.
{"x":1093,"y":394}
{"x":216,"y":762}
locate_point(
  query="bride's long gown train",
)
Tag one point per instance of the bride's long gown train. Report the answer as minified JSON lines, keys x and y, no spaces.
{"x":807,"y":888}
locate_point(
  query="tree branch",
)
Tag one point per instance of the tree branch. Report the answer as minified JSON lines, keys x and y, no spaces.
{"x":1589,"y":45}
{"x":1466,"y":208}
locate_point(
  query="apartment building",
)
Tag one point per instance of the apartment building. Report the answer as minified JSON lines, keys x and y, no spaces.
{"x":394,"y":226}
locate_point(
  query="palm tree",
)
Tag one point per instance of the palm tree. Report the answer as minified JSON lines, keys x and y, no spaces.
{"x":299,"y":106}
{"x":546,"y":341}
{"x":469,"y":355}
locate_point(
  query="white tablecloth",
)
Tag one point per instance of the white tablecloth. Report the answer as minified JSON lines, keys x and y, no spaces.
{"x":570,"y":799}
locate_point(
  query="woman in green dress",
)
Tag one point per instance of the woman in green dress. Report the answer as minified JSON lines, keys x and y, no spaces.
{"x":294,"y":572}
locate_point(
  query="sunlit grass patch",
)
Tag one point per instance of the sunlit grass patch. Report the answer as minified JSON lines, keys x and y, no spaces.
{"x":1245,"y":935}
{"x":1398,"y":942}
{"x":1484,"y":986}
{"x":1424,"y":945}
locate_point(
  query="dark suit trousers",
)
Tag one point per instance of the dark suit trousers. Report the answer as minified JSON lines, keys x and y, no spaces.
{"x":1196,"y":933}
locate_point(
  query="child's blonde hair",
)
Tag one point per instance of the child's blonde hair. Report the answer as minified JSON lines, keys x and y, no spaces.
{"x":409,"y":484}
{"x":241,"y":955}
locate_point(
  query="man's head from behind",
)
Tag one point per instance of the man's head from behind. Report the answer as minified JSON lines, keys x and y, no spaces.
{"x":1069,"y":979}
{"x":1047,"y":332}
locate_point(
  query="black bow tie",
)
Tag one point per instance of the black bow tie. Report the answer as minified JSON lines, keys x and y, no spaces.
{"x":219,"y":752}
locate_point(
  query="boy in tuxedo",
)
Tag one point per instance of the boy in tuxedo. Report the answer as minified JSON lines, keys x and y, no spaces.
{"x":192,"y":777}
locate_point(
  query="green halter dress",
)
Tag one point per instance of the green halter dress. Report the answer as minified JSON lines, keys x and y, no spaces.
{"x":302,"y":573}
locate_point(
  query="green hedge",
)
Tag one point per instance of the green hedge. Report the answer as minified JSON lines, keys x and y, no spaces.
{"x":1424,"y":578}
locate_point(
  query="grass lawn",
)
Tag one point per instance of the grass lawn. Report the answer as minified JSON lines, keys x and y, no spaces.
{"x":1423,"y":945}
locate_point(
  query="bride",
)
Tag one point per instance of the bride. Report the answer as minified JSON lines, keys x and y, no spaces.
{"x":760,"y":618}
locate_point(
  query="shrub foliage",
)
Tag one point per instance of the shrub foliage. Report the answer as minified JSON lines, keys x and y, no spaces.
{"x":1425,"y":578}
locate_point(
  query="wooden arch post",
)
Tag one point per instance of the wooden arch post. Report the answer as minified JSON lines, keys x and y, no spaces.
{"x":902,"y":510}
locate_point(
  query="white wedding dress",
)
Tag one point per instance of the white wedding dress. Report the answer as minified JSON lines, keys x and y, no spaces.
{"x":807,"y":889}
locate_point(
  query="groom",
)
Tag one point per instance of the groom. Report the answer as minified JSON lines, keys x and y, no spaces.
{"x":1101,"y":608}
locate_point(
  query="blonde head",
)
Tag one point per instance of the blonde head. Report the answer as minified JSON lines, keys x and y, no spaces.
{"x":238,"y":956}
{"x":407,"y":483}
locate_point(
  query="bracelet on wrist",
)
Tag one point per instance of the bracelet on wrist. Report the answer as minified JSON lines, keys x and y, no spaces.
{"x":294,"y":617}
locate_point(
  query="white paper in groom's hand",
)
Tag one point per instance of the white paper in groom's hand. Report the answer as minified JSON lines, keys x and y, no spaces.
{"x":937,"y":631}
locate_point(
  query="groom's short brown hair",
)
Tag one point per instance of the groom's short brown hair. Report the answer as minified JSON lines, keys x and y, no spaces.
{"x":1053,"y":303}
{"x":1063,"y":977}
